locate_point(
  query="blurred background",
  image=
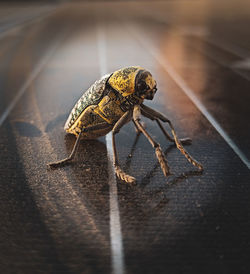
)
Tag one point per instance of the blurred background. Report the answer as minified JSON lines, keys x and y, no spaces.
{"x":80,"y":218}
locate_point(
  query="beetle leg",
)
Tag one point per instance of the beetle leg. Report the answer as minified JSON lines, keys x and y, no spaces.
{"x":184,"y":141}
{"x":119,"y":172}
{"x":73,"y":152}
{"x":136,"y":128}
{"x":158,"y":151}
{"x":70,"y":157}
{"x":158,"y":115}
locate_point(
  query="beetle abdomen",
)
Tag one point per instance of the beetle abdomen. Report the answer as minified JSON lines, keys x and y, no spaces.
{"x":88,"y":119}
{"x":91,"y":97}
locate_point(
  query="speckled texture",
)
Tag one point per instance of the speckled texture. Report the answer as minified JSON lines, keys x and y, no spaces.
{"x":91,"y":97}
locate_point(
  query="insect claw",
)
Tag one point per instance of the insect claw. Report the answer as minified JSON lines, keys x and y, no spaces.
{"x":59,"y":163}
{"x":123,"y":176}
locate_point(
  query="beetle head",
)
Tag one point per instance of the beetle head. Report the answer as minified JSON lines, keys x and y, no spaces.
{"x":145,"y":85}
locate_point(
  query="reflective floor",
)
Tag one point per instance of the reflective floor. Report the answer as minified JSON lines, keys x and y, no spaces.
{"x":81,"y":218}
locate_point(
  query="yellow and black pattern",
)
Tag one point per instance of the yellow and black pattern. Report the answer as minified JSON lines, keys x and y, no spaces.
{"x":123,"y":80}
{"x":109,"y":108}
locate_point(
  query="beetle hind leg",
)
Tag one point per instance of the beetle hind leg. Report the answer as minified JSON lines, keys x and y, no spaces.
{"x":73,"y":152}
{"x":70,"y":157}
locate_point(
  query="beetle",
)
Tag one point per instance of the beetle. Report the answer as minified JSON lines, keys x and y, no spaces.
{"x":113,"y":101}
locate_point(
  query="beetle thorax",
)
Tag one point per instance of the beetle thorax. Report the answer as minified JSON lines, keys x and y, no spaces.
{"x":129,"y":101}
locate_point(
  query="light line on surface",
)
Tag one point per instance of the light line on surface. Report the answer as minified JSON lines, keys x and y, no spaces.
{"x":214,"y":40}
{"x":188,"y":91}
{"x":32,"y":76}
{"x":115,"y":224}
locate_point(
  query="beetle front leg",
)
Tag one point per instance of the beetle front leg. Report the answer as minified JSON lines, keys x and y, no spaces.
{"x":119,"y":172}
{"x":137,"y":130}
{"x":184,"y":141}
{"x":158,"y":115}
{"x":158,"y":151}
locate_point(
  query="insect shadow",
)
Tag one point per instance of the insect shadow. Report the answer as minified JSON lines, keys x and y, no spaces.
{"x":149,"y":202}
{"x":89,"y":172}
{"x":54,"y":122}
{"x":26,"y":129}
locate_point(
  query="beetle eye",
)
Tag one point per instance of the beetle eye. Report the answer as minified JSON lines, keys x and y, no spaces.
{"x":142,"y":86}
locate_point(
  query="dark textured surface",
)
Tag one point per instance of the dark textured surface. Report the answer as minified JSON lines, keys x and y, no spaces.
{"x":58,"y":221}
